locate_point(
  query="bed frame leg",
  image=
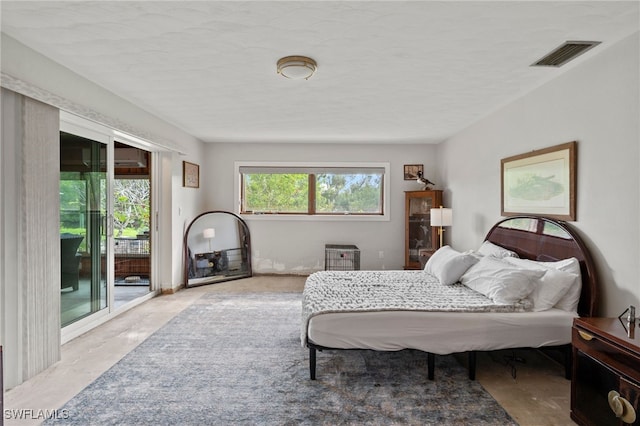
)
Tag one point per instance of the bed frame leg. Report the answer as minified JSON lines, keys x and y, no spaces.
{"x":431,"y":358}
{"x":568,"y":362}
{"x":312,"y":363}
{"x":472,"y":365}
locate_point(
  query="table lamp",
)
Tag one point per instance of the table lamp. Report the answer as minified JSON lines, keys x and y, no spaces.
{"x":441,"y":217}
{"x":209,"y":234}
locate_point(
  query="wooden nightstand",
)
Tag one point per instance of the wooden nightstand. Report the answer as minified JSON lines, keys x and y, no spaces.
{"x":605,"y":387}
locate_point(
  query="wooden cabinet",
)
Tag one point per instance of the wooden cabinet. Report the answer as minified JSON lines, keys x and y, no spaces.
{"x":605,"y":386}
{"x":420,"y":238}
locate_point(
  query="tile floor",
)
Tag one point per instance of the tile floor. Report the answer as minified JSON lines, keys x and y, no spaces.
{"x":538,"y":395}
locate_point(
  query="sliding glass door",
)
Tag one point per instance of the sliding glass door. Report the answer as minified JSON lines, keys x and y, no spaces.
{"x":131,"y":224}
{"x":84,"y":226}
{"x":107,"y":231}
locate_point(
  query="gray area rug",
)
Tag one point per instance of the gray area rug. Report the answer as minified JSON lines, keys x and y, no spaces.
{"x":237,"y":359}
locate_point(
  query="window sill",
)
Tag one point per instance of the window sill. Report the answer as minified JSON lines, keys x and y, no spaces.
{"x":314,"y":218}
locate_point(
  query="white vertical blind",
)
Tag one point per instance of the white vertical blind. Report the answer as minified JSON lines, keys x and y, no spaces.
{"x":41,"y":249}
{"x":30,"y":234}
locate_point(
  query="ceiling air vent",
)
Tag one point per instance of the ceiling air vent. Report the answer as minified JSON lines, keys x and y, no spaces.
{"x":566,"y":52}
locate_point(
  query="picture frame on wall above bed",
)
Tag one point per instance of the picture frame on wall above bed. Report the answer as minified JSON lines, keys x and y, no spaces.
{"x":540,"y":182}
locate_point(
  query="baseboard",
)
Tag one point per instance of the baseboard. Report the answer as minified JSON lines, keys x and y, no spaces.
{"x":275,"y":274}
{"x":165,"y":291}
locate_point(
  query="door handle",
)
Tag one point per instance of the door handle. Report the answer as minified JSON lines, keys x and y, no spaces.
{"x":584,"y":335}
{"x":109,"y":220}
{"x":621,"y":407}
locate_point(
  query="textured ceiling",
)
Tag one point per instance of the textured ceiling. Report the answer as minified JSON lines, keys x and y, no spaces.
{"x":417,"y":71}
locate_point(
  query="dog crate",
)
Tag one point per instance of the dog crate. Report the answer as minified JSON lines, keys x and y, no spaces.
{"x":341,"y":257}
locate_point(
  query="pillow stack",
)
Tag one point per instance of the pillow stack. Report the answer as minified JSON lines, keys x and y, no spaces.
{"x":499,"y":274}
{"x":500,"y":281}
{"x":560,"y":286}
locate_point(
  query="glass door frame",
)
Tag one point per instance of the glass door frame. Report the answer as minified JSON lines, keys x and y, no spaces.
{"x":77,"y":126}
{"x":91,"y":130}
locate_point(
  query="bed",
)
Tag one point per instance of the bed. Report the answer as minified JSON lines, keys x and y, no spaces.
{"x":396,"y":310}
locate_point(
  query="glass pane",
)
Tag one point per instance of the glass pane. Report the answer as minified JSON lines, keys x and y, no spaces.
{"x":420,"y":227}
{"x":83,"y":245}
{"x":522,"y":223}
{"x":132,"y":255}
{"x":536,"y":226}
{"x":275,"y":193}
{"x":555,"y":231}
{"x":131,"y":223}
{"x":349,"y":193}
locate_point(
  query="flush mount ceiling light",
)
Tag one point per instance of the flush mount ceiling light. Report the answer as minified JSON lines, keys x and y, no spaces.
{"x":297,"y":67}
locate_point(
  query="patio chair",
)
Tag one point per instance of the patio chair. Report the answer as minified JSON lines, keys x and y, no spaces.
{"x":70,"y":261}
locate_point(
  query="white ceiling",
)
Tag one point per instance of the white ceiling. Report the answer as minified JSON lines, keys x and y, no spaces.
{"x":414,"y":72}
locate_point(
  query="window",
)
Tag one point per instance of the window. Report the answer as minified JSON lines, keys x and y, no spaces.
{"x":267,"y":189}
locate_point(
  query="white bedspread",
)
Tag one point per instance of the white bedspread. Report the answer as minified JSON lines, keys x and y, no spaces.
{"x":441,"y":332}
{"x":375,"y":291}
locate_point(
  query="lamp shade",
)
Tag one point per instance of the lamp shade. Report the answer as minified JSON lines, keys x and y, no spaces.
{"x":209,"y":233}
{"x":441,"y":217}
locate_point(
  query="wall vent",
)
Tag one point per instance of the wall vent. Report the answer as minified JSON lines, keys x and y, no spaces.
{"x":566,"y":52}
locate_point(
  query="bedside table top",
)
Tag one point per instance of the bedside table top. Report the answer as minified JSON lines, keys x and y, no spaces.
{"x":615,"y":329}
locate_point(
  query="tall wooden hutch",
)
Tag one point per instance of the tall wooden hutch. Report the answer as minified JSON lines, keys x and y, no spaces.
{"x":420,"y":238}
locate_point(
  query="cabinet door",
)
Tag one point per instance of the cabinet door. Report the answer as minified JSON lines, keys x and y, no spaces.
{"x":593,"y":382}
{"x":420,"y":235}
{"x":631,"y":392}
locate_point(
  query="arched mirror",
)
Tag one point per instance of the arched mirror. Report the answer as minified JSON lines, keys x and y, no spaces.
{"x":217,"y":247}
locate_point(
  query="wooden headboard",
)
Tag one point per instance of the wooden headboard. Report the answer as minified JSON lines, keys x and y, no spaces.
{"x":547,"y":240}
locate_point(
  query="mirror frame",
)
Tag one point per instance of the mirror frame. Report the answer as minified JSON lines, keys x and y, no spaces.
{"x":246,"y":244}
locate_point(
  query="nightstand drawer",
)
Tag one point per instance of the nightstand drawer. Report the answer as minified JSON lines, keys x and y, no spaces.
{"x":605,"y":387}
{"x":615,"y":357}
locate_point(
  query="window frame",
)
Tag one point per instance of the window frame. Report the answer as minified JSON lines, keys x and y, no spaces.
{"x":311,"y":214}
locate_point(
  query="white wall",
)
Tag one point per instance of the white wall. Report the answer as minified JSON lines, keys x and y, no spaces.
{"x":297,"y":247}
{"x":185,"y":205}
{"x":596,"y":104}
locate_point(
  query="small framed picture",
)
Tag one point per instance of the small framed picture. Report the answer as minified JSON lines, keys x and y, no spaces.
{"x":411,"y":171}
{"x":190,"y":175}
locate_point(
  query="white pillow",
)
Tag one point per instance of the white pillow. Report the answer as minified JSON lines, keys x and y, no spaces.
{"x":569,"y":302}
{"x":551,"y":287}
{"x":489,"y":249}
{"x":500,"y":281}
{"x":448,"y":265}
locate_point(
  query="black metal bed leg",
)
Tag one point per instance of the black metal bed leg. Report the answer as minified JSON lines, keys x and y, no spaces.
{"x":472,"y":365}
{"x":312,"y":362}
{"x":431,"y":358}
{"x":568,"y":362}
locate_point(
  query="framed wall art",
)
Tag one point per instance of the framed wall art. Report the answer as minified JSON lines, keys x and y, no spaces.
{"x":411,"y":171}
{"x":541,"y":182}
{"x":190,"y":175}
